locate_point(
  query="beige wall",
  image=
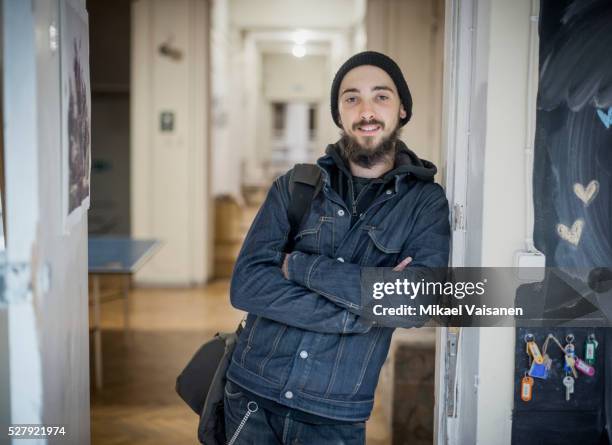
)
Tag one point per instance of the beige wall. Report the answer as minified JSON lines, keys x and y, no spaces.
{"x":287,"y":78}
{"x":411,"y":32}
{"x":287,"y":14}
{"x":169,"y":170}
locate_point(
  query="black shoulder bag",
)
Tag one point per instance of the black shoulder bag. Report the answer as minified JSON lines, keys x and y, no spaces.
{"x":202,"y":382}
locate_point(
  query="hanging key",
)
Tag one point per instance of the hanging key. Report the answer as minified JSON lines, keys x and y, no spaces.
{"x":570,"y":360}
{"x":568,"y":382}
{"x":534,"y":351}
{"x":570,"y":365}
{"x":590,"y":345}
{"x":526,"y":388}
{"x":584,"y":367}
{"x":538,"y":370}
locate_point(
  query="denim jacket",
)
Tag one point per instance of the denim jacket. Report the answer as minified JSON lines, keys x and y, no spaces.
{"x":308,"y":342}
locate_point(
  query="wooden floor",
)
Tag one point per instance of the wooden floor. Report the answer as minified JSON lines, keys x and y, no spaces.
{"x":138,"y":405}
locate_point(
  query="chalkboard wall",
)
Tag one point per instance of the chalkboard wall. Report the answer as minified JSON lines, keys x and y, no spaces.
{"x":572,"y":182}
{"x":573,"y":147}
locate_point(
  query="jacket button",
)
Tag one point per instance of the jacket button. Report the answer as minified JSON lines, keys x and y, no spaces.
{"x":289,"y":395}
{"x":341,"y":259}
{"x":303,"y":354}
{"x":340,"y":212}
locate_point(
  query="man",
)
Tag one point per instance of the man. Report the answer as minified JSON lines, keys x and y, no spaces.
{"x":306,"y":366}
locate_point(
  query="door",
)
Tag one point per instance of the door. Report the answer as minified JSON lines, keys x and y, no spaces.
{"x":457,"y":349}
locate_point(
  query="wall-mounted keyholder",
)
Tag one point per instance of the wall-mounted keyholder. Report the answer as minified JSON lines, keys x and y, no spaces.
{"x":563,"y":390}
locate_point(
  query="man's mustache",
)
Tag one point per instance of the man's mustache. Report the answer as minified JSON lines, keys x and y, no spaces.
{"x":372,"y":122}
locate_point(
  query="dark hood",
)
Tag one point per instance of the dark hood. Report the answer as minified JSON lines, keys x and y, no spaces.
{"x":406,"y":163}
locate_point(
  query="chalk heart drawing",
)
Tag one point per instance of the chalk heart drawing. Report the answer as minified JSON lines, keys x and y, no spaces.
{"x":586,"y":195}
{"x":606,"y":118}
{"x":571,"y":235}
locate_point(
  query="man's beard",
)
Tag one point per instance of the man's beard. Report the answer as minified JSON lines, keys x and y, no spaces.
{"x":367,"y":156}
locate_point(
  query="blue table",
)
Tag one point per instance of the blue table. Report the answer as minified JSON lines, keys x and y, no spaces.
{"x":114,"y":256}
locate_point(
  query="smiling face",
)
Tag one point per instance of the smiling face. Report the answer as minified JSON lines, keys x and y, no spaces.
{"x":369,"y":106}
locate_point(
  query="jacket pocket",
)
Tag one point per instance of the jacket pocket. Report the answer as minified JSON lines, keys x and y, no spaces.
{"x":308,"y":239}
{"x":367,"y":361}
{"x":261,"y":346}
{"x":316,"y":236}
{"x":232,"y":391}
{"x":383,"y":248}
{"x":349,"y":371}
{"x":246,"y":339}
{"x":264,"y":362}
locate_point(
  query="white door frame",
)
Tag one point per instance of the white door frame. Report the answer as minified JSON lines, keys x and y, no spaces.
{"x":20,"y":374}
{"x":464,"y":130}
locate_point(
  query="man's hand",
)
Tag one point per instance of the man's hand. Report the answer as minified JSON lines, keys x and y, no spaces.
{"x":403,"y":264}
{"x":285,"y":266}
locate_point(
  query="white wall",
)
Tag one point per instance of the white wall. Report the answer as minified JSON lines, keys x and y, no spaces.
{"x":226,"y":111}
{"x":411,"y":32}
{"x":504,"y":210}
{"x":496,"y":196}
{"x":48,"y":353}
{"x":170,"y":180}
{"x":64,"y":311}
{"x":492,"y":56}
{"x":21,"y":392}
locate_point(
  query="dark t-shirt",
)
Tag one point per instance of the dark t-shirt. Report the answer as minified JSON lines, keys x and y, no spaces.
{"x":365,"y":191}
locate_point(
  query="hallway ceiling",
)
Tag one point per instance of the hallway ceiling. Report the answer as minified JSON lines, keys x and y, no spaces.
{"x":313,"y":14}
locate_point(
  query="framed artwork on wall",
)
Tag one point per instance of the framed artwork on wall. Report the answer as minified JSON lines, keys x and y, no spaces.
{"x":75,"y":111}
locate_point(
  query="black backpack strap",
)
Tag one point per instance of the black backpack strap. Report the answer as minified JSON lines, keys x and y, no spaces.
{"x":305,"y":183}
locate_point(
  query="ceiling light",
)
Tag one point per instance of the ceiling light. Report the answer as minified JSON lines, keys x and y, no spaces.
{"x":299,"y":50}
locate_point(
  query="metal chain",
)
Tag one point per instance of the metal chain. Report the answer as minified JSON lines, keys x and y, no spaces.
{"x":243,"y":421}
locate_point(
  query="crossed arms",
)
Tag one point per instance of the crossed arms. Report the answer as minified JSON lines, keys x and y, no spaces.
{"x":304,"y":293}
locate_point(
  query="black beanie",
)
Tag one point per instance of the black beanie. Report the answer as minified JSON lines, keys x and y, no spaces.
{"x":381,"y":61}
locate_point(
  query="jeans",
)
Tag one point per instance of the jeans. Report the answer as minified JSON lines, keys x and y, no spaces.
{"x":263,"y":427}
